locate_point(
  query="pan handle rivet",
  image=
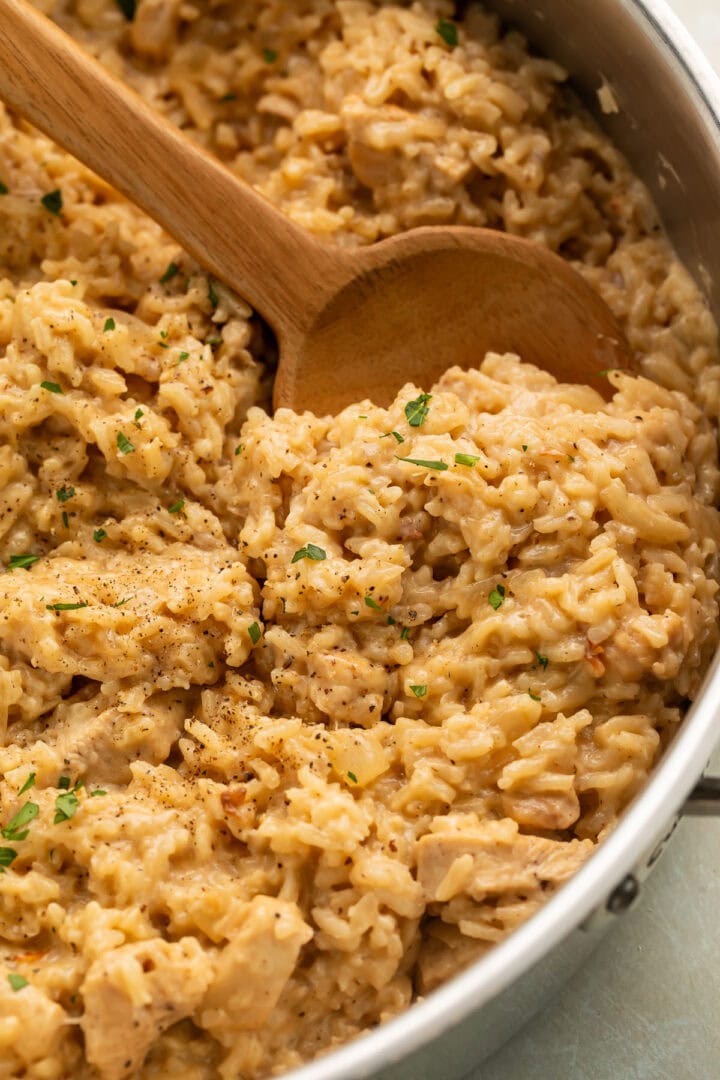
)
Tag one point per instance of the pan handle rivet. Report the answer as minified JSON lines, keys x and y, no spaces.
{"x":623,"y":895}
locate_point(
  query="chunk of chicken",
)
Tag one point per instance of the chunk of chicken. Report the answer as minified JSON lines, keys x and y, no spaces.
{"x":492,"y":859}
{"x":103,"y":746}
{"x":133,"y":993}
{"x":250,"y":973}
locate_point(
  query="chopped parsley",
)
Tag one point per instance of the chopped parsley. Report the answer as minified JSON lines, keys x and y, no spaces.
{"x":122,"y":603}
{"x":439,"y":466}
{"x":419,"y":691}
{"x":239,"y":449}
{"x":8,"y":856}
{"x":64,"y":783}
{"x":53,"y":202}
{"x":448,"y":32}
{"x":172,"y":270}
{"x":123,"y":444}
{"x":65,"y":519}
{"x":99,"y":535}
{"x":128,"y":8}
{"x":65,"y":806}
{"x":352,"y":776}
{"x":15,"y":830}
{"x":4,"y":189}
{"x":138,"y":415}
{"x":17,"y":982}
{"x":52,"y":387}
{"x":369,"y":602}
{"x":310,"y":551}
{"x":109,"y":324}
{"x":98,"y":791}
{"x":543,"y":661}
{"x":211,"y":293}
{"x":66,"y":607}
{"x":466,"y":459}
{"x":183,"y":356}
{"x":404,"y":633}
{"x":524,"y":447}
{"x":255,"y":632}
{"x":65,"y":493}
{"x":22,"y":562}
{"x":535,"y":697}
{"x":176,"y":507}
{"x":496,"y":597}
{"x":30,"y":782}
{"x":269,"y":56}
{"x":390,"y":620}
{"x":416,"y":411}
{"x":395,"y":434}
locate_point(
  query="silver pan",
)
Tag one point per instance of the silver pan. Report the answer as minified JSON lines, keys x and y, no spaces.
{"x":668,"y":123}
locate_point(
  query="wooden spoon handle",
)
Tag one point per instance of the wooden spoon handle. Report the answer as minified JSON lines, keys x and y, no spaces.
{"x":229,"y":228}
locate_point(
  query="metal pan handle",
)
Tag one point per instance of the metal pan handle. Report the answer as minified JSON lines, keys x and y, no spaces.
{"x":704,"y":799}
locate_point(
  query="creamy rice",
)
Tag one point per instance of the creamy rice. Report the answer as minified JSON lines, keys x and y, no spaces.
{"x":296,"y":727}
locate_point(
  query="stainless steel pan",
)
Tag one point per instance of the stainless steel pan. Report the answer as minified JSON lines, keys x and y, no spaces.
{"x":668,"y":123}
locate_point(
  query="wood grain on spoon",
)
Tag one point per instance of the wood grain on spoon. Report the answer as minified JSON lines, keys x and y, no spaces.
{"x":350,"y":323}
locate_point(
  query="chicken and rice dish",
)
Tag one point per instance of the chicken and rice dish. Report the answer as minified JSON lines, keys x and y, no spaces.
{"x":300,"y":715}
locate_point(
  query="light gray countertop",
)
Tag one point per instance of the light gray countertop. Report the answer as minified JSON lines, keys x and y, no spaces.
{"x":647,"y":1004}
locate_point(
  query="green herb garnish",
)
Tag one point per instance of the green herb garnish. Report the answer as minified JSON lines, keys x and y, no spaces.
{"x":4,"y":189}
{"x":138,"y":415}
{"x":466,"y":459}
{"x":524,"y":447}
{"x":65,"y":519}
{"x":66,"y":607}
{"x":65,"y":807}
{"x":8,"y":856}
{"x":64,"y":783}
{"x":123,"y":444}
{"x":122,"y":603}
{"x":64,"y":493}
{"x":182,"y":357}
{"x":416,"y":411}
{"x":99,"y":535}
{"x":176,"y":507}
{"x":310,"y":551}
{"x":98,"y":791}
{"x":22,"y":562}
{"x":543,"y":661}
{"x":419,"y":691}
{"x":17,"y":982}
{"x":269,"y":56}
{"x":170,"y":273}
{"x":53,"y":201}
{"x":497,"y":597}
{"x":353,"y":777}
{"x":439,"y":466}
{"x":535,"y":697}
{"x":30,"y":782}
{"x":372,"y":603}
{"x":255,"y":632}
{"x":52,"y":387}
{"x":404,"y":633}
{"x":212,"y":295}
{"x":448,"y":32}
{"x":395,"y":434}
{"x":239,"y":449}
{"x":15,"y":830}
{"x":109,"y":324}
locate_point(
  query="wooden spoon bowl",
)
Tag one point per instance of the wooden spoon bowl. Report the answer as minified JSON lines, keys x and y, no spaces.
{"x":350,"y":324}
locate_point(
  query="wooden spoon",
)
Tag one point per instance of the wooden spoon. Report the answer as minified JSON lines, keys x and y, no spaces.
{"x":351,"y":323}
